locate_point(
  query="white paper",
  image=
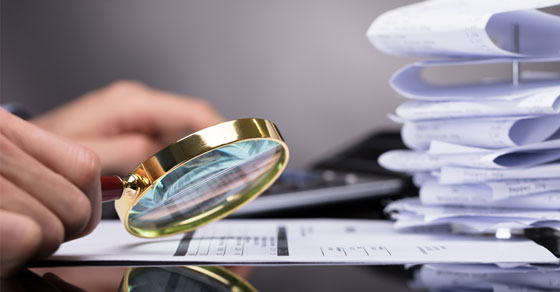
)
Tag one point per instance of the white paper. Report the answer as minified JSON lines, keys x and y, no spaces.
{"x":540,"y":103}
{"x":467,"y":28}
{"x":432,"y":213}
{"x":411,"y":213}
{"x":514,"y":157}
{"x":459,"y":175}
{"x":476,"y":225}
{"x":409,"y":161}
{"x":481,"y":132}
{"x":492,"y":126}
{"x":408,"y":82}
{"x":443,"y":148}
{"x":546,"y":201}
{"x":274,"y":242}
{"x":522,"y":193}
{"x":523,"y":187}
{"x":419,"y":178}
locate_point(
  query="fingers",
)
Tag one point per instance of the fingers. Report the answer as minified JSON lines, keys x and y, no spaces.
{"x":49,"y":189}
{"x":58,"y":173}
{"x":15,"y":200}
{"x":159,"y":112}
{"x":180,"y":113}
{"x":21,"y":236}
{"x":121,"y":154}
{"x":129,"y":108}
{"x":23,"y":178}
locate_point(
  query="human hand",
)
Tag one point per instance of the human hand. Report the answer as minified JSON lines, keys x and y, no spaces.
{"x":127,"y":122}
{"x":49,"y":192}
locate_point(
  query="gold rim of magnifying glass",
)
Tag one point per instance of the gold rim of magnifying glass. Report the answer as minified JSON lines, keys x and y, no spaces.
{"x":190,"y":147}
{"x":222,"y":275}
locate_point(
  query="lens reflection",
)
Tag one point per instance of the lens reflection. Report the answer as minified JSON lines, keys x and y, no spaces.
{"x":210,"y":184}
{"x":201,"y":279}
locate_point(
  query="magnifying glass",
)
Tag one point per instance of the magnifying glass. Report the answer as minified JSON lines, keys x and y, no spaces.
{"x":199,"y":179}
{"x":188,"y":278}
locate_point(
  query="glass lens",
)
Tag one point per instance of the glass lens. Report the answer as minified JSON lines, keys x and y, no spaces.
{"x":207,"y":187}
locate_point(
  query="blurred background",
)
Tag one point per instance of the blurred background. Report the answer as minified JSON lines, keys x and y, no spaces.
{"x":307,"y":65}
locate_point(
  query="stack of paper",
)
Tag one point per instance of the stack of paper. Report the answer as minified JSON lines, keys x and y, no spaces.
{"x":486,"y":155}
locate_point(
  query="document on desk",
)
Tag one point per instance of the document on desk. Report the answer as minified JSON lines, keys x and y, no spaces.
{"x":281,"y":242}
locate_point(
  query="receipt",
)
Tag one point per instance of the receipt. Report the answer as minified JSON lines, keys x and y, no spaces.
{"x":458,"y":175}
{"x":513,"y":157}
{"x":409,"y":161}
{"x":539,"y":103}
{"x":412,"y":213}
{"x":440,"y":147}
{"x":420,"y":178}
{"x":459,"y":28}
{"x":522,"y":187}
{"x":545,"y":201}
{"x":521,"y":193}
{"x":432,"y":213}
{"x":479,"y":148}
{"x":469,"y":224}
{"x":481,"y":132}
{"x":408,"y":82}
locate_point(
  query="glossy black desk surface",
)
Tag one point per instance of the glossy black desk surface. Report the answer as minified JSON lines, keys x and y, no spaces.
{"x":301,"y":278}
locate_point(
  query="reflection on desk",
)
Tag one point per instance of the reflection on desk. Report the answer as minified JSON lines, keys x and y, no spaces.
{"x":188,"y":278}
{"x":435,"y":277}
{"x":444,"y":277}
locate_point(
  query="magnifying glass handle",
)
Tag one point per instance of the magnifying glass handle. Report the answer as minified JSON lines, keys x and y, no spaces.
{"x":111,"y":188}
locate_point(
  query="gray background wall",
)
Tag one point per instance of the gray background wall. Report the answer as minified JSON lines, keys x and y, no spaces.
{"x":306,"y":65}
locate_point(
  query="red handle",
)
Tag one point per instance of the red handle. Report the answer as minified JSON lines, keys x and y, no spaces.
{"x":111,"y":188}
